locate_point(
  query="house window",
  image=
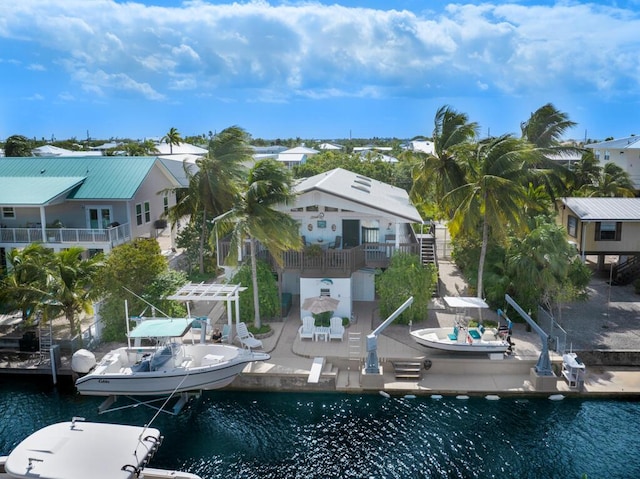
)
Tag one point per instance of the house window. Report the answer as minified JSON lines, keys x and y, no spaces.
{"x":139,"y":214}
{"x":8,"y":212}
{"x":330,"y":208}
{"x":312,"y":208}
{"x":297,"y":209}
{"x":606,"y":155}
{"x":608,"y":231}
{"x":147,"y":212}
{"x":597,"y":155}
{"x":165,"y":203}
{"x":572,"y":226}
{"x":325,"y":292}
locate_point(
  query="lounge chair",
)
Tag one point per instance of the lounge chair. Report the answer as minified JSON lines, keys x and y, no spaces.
{"x":246,"y":338}
{"x":337,"y":243}
{"x":336,"y":329}
{"x":308,"y":328}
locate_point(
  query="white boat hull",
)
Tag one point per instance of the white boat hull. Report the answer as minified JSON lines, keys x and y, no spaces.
{"x":196,"y":367}
{"x":438,"y":338}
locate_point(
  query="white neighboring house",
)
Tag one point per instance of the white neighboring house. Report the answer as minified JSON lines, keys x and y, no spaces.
{"x":51,"y":150}
{"x":624,"y":152}
{"x":351,"y":225}
{"x":295,"y":156}
{"x":330,"y":147}
{"x":180,"y":149}
{"x":423,"y":146}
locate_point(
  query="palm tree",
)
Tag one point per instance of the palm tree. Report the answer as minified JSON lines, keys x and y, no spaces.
{"x":546,"y":127}
{"x":172,"y":138}
{"x":213,"y":182}
{"x":452,"y":135}
{"x":255,"y":218}
{"x":493,"y":198}
{"x":611,"y":181}
{"x":72,"y":290}
{"x":26,"y":284}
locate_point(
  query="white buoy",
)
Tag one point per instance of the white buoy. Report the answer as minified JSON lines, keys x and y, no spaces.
{"x":385,"y":394}
{"x":556,"y":397}
{"x":462,"y":396}
{"x":492,"y":397}
{"x":436,"y":396}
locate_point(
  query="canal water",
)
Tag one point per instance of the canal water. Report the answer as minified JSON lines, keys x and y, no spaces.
{"x":278,"y":435}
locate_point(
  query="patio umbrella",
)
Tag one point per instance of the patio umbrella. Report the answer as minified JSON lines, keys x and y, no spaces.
{"x":320,"y":304}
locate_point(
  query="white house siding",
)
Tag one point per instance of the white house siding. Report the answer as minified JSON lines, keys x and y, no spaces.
{"x":148,"y":192}
{"x":363,"y":285}
{"x":339,"y":288}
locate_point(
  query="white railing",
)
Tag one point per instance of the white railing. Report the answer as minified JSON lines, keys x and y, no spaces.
{"x":114,"y":236}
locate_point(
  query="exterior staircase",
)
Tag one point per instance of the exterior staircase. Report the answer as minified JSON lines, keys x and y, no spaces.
{"x":408,"y":370}
{"x":428,"y":255}
{"x":627,"y":271}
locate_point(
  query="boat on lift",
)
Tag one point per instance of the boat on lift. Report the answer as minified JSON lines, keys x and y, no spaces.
{"x":171,"y":365}
{"x":462,"y":338}
{"x":77,"y":450}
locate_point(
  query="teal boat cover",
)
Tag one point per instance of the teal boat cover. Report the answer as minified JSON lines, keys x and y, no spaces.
{"x":162,"y":328}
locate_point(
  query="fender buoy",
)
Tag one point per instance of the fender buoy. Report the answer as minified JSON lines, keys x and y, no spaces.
{"x":385,"y":394}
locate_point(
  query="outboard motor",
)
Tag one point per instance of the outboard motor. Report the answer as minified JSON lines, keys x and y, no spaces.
{"x":82,"y":361}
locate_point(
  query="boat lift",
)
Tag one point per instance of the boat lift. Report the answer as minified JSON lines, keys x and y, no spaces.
{"x":543,"y":366}
{"x":372,"y":365}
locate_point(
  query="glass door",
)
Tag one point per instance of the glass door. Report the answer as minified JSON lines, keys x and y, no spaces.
{"x":98,"y":217}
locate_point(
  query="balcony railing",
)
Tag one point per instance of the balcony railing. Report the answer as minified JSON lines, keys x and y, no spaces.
{"x":330,"y":261}
{"x":113,"y":236}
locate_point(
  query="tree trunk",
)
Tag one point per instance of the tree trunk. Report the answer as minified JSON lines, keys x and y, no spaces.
{"x":254,"y":278}
{"x":202,"y":233}
{"x":483,"y":254}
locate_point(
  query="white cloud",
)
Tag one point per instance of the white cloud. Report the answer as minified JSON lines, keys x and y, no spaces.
{"x":319,"y":51}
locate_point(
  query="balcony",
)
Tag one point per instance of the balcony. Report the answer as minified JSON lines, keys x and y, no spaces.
{"x":330,"y":262}
{"x":112,"y":236}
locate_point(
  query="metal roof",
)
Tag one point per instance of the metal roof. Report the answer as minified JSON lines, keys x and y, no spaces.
{"x":28,"y":191}
{"x":619,"y":144}
{"x":359,"y":189}
{"x":105,"y":177}
{"x":604,"y":209}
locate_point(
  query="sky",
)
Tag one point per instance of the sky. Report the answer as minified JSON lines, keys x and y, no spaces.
{"x":326,"y":70}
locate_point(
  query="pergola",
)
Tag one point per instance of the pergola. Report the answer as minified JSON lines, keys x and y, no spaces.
{"x":211,"y":292}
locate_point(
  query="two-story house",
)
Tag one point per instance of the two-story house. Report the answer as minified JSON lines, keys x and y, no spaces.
{"x":93,"y":202}
{"x":624,"y":152}
{"x":604,"y":226}
{"x":351,"y":225}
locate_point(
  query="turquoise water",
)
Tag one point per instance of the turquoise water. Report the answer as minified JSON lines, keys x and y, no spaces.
{"x":277,"y":435}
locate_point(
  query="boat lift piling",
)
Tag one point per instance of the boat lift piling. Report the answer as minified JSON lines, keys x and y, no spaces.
{"x":372,"y":365}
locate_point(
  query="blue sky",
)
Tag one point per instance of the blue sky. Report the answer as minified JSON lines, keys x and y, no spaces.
{"x":314,"y":69}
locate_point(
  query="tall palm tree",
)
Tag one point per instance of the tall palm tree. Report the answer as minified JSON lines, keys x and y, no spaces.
{"x":585,"y":172}
{"x":493,"y":198}
{"x":546,"y":127}
{"x":172,"y":138}
{"x":452,"y":135}
{"x":255,"y":218}
{"x":213,"y":182}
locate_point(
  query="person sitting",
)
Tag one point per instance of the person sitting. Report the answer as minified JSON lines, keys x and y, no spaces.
{"x":216,"y":336}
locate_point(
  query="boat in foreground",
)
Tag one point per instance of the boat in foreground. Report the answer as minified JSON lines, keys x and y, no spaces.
{"x":171,"y":366}
{"x":461,"y":337}
{"x":78,"y":450}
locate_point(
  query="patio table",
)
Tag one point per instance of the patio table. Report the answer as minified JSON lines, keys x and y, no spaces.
{"x":321,"y":332}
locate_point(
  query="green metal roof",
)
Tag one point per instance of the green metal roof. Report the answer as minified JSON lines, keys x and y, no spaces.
{"x":27,"y":191}
{"x":105,"y":177}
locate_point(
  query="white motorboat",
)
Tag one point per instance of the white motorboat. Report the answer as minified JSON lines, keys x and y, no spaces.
{"x":461,"y":337}
{"x":78,"y":450}
{"x":171,"y":366}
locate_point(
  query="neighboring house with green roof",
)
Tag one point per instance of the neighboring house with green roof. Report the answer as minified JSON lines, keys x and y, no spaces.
{"x":93,"y":202}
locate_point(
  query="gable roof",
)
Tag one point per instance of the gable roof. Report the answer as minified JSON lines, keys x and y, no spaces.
{"x":619,"y":144}
{"x":104,"y":177}
{"x":604,"y":209}
{"x":359,"y":189}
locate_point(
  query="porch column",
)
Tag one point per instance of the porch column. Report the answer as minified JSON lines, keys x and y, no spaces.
{"x":397,"y":244}
{"x":43,"y":224}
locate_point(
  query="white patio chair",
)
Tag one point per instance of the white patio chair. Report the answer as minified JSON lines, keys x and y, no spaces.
{"x":336,"y":329}
{"x":247,"y":340}
{"x":308,"y":328}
